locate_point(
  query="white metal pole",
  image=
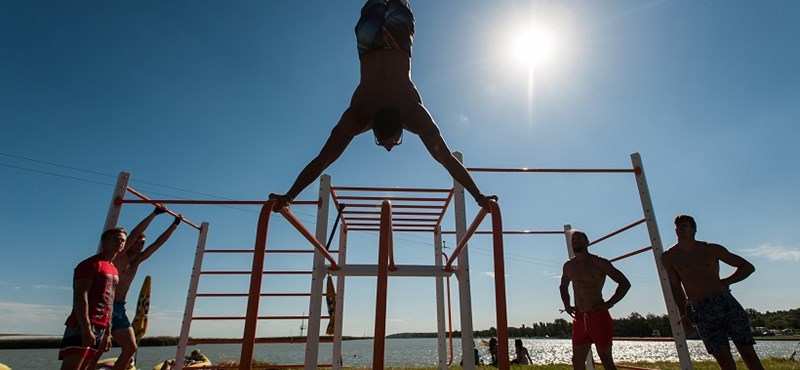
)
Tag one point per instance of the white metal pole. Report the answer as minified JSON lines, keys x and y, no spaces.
{"x":317,"y":276}
{"x":658,"y":249}
{"x":188,"y":310}
{"x":115,"y":207}
{"x":462,"y":274}
{"x":440,"y":308}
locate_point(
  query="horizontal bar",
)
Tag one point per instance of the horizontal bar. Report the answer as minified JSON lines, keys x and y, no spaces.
{"x":218,"y":318}
{"x":393,"y":213}
{"x":396,"y":225}
{"x":276,"y":272}
{"x":401,"y":270}
{"x":409,"y":190}
{"x":554,"y":170}
{"x":405,"y":206}
{"x":382,"y":198}
{"x":645,"y":249}
{"x":351,"y":219}
{"x":361,"y":228}
{"x":322,"y":339}
{"x":294,"y":317}
{"x":216,"y":202}
{"x":222,"y":295}
{"x":515,"y":232}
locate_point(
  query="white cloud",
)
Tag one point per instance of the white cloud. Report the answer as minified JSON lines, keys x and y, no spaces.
{"x":774,"y":252}
{"x":26,"y":318}
{"x":52,"y":287}
{"x":463,"y":119}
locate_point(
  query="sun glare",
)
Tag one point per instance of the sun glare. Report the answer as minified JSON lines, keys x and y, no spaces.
{"x":532,"y":47}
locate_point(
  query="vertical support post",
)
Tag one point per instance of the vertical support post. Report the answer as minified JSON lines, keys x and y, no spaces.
{"x":503,"y":362}
{"x":340,"y":280}
{"x":115,"y":207}
{"x":191,"y":296}
{"x":658,"y":249}
{"x":462,"y":274}
{"x":440,"y":309}
{"x":384,"y":244}
{"x":571,"y":253}
{"x":318,"y":273}
{"x":254,"y":295}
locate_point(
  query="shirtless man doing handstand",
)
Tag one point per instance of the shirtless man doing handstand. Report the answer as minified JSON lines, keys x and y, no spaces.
{"x":386,"y":101}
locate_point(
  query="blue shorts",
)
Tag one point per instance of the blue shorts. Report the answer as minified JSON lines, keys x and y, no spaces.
{"x":119,"y":319}
{"x":385,"y":25}
{"x":721,"y":317}
{"x":72,"y":343}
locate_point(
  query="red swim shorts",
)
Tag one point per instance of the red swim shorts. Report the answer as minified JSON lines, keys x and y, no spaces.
{"x":593,"y":327}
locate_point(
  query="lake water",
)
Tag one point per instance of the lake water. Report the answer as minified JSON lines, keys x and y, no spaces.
{"x":399,"y":352}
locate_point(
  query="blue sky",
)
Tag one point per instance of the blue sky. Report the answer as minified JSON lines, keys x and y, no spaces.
{"x":230,"y":100}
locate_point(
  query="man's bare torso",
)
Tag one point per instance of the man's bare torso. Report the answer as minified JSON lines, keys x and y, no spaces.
{"x":126,"y":268}
{"x":698,"y":268}
{"x":587,"y":277}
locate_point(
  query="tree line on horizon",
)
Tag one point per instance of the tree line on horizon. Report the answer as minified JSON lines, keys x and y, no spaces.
{"x":634,"y":325}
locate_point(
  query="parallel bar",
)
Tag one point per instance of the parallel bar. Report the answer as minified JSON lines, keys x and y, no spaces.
{"x":405,"y":199}
{"x":404,"y":206}
{"x":311,"y":238}
{"x":618,"y":231}
{"x":645,"y":249}
{"x":407,"y":190}
{"x":394,"y":213}
{"x":513,"y":232}
{"x":215,"y":202}
{"x":501,"y":310}
{"x":411,"y":230}
{"x":554,"y":170}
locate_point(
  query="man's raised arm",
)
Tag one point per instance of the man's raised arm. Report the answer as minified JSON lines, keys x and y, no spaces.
{"x":160,"y":241}
{"x":142,"y":226}
{"x":340,"y":138}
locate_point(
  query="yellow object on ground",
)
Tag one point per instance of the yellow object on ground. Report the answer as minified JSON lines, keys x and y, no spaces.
{"x":108,"y":363}
{"x":160,"y":365}
{"x":4,"y":367}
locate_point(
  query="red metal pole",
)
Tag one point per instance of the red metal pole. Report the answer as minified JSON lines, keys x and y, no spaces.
{"x":645,"y":249}
{"x":310,"y":237}
{"x":147,"y":200}
{"x":618,"y":231}
{"x":500,"y":287}
{"x":463,"y":243}
{"x":254,"y":296}
{"x":385,"y":240}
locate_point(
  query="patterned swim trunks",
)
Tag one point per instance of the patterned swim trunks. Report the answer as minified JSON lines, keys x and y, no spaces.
{"x":385,"y":25}
{"x":719,"y":317}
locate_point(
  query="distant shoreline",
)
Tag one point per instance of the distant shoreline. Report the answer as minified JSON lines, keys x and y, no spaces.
{"x":54,"y":342}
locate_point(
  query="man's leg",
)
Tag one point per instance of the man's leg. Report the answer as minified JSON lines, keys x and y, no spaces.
{"x":749,"y":356}
{"x":72,"y":363}
{"x":724,"y":359}
{"x":606,"y":358}
{"x":579,"y":353}
{"x":127,"y":343}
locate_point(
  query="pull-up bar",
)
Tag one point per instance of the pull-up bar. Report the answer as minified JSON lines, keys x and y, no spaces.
{"x":155,"y":203}
{"x":557,"y":170}
{"x":618,"y":232}
{"x":215,"y":202}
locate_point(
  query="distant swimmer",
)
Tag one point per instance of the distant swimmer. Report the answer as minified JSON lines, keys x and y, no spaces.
{"x":386,"y":101}
{"x":704,"y":298}
{"x":591,"y":321}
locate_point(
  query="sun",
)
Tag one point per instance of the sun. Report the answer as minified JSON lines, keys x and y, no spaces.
{"x":533,"y":46}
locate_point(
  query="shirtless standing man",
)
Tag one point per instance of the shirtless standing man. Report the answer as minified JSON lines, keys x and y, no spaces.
{"x":693,"y":269}
{"x":127,"y":263}
{"x":591,"y":320}
{"x":386,"y":101}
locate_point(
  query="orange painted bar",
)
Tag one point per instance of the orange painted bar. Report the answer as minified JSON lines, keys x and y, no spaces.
{"x":503,"y":362}
{"x":513,"y":232}
{"x":148,"y":200}
{"x":400,"y":230}
{"x":395,"y":213}
{"x":409,"y":199}
{"x":216,"y":202}
{"x":645,"y":249}
{"x":310,"y":237}
{"x":553,"y":170}
{"x":463,"y":243}
{"x":405,"y":206}
{"x":254,"y":297}
{"x":444,"y":208}
{"x":618,"y":231}
{"x":385,"y":241}
{"x":409,"y":190}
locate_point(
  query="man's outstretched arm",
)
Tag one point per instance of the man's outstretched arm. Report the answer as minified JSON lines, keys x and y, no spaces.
{"x":160,"y":241}
{"x":340,"y":138}
{"x":142,"y":226}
